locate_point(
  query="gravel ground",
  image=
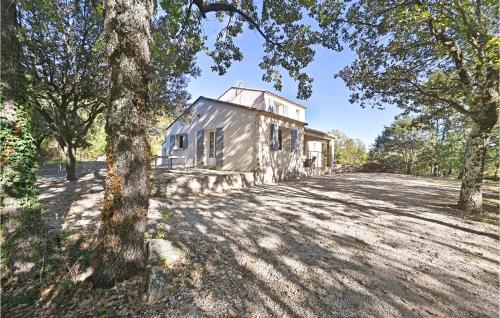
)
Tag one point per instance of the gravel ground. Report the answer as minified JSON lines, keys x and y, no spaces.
{"x":349,"y":245}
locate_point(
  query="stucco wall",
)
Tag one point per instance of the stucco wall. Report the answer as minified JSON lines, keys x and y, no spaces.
{"x":239,"y":134}
{"x":264,"y":101}
{"x":249,"y":98}
{"x":277,"y":165}
{"x":289,"y":109}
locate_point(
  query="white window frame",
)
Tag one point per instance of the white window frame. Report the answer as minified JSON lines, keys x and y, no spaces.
{"x":178,"y":139}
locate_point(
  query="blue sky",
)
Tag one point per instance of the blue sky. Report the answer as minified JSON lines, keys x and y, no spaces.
{"x":328,"y":107}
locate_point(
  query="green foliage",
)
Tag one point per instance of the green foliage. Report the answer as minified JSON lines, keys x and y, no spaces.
{"x":66,"y":67}
{"x":348,"y":150}
{"x":160,"y":233}
{"x":288,"y":36}
{"x":492,"y":161}
{"x":165,"y":216}
{"x":18,"y":151}
{"x":420,"y":55}
{"x":413,"y":146}
{"x":17,"y":144}
{"x":156,"y":132}
{"x":425,"y":56}
{"x":95,"y":145}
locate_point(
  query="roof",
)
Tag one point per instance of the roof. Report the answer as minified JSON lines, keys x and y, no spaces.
{"x":264,"y":91}
{"x":264,"y":112}
{"x":318,"y":133}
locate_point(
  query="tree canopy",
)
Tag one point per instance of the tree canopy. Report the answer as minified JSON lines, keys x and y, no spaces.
{"x":63,"y":44}
{"x":422,"y":55}
{"x":348,"y":150}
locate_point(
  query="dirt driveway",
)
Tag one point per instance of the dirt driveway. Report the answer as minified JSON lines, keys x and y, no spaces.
{"x":349,"y":245}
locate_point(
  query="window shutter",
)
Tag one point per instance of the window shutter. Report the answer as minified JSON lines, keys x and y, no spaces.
{"x":294,"y":140}
{"x":219,"y":147}
{"x":186,"y":143}
{"x":200,"y":140}
{"x":274,"y":137}
{"x":172,"y":142}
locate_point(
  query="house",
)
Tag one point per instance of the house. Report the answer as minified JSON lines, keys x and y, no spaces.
{"x":249,"y":130}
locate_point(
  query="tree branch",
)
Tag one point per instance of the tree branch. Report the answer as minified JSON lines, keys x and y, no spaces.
{"x":454,"y":51}
{"x":226,"y":7}
{"x":453,"y":104}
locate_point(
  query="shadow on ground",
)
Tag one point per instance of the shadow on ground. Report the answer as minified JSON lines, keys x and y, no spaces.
{"x":351,"y":245}
{"x":73,"y":207}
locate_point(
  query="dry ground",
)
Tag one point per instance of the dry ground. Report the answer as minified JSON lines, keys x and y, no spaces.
{"x":349,"y":245}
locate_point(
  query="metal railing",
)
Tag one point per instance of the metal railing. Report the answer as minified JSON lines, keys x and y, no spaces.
{"x":170,"y":160}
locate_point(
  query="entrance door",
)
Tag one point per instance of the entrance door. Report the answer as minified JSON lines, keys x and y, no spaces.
{"x":211,"y":161}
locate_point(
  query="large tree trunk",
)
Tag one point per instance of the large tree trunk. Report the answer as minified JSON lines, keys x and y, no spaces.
{"x":120,"y":253}
{"x":70,"y":154}
{"x":471,"y":197}
{"x":17,"y":146}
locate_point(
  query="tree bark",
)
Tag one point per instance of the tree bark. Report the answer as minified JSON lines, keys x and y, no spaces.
{"x":471,"y":197}
{"x":70,"y":153}
{"x":120,"y":253}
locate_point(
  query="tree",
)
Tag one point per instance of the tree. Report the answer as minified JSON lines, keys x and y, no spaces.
{"x":65,"y":59}
{"x":17,"y":145}
{"x":348,"y":150}
{"x":120,"y":250}
{"x":400,"y":142}
{"x":425,"y":54}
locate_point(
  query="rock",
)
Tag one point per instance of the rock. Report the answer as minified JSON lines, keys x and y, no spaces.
{"x":158,"y":287}
{"x":165,"y":253}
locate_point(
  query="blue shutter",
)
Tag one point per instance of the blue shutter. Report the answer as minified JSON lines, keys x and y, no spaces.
{"x":186,"y":143}
{"x":200,"y":140}
{"x":219,"y":147}
{"x":274,"y":137}
{"x":294,"y":140}
{"x":172,"y":142}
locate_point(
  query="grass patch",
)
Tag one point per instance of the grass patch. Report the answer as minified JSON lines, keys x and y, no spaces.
{"x":160,"y":233}
{"x":165,"y":216}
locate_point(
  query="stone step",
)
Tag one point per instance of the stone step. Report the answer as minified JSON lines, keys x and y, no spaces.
{"x":172,"y":184}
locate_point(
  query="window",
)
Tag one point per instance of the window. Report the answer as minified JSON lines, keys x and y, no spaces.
{"x":181,"y":142}
{"x":211,"y":142}
{"x":293,"y":140}
{"x":297,"y":114}
{"x":278,"y":109}
{"x":280,"y":139}
{"x":276,"y":137}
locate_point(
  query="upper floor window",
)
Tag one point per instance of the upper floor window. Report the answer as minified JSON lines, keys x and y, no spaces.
{"x":278,"y":109}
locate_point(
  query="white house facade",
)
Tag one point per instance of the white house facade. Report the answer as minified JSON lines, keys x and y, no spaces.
{"x":248,"y":130}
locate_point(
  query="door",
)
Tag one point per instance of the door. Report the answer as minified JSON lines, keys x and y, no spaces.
{"x":211,"y":161}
